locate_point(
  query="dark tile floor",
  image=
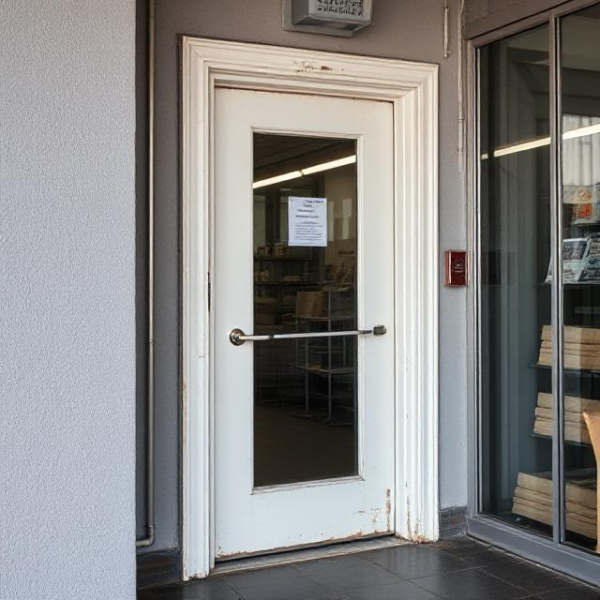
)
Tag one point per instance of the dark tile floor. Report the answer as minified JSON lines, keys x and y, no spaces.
{"x":460,"y":569}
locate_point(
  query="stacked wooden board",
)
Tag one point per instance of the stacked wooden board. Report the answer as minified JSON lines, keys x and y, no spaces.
{"x":534,"y":492}
{"x":311,"y":304}
{"x":575,"y":427}
{"x":533,"y":499}
{"x":582,"y":347}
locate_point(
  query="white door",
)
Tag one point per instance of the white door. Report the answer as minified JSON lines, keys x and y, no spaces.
{"x":303,"y":261}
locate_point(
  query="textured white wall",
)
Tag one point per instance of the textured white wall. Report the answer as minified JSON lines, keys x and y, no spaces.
{"x":67,"y":377}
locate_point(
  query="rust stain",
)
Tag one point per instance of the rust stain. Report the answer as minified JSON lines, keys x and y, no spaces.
{"x":234,"y":555}
{"x":376,"y":514}
{"x":305,"y":67}
{"x":357,"y":535}
{"x":414,"y":535}
{"x":388,"y":507}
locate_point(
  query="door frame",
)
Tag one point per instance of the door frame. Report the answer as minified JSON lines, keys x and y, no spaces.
{"x":413,"y":89}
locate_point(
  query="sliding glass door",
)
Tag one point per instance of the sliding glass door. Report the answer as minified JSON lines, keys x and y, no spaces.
{"x":538,"y":182}
{"x":515,"y":285}
{"x":579,"y":411}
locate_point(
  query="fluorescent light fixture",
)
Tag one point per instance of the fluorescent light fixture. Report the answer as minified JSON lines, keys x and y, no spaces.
{"x":277,"y":179}
{"x":521,"y":147}
{"x":569,"y":135}
{"x":334,"y":164}
{"x":581,"y":132}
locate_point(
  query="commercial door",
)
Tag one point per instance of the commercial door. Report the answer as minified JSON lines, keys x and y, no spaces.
{"x":302,"y":320}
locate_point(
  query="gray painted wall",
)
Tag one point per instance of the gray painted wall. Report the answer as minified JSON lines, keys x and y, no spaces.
{"x":411,"y":29}
{"x":482,"y":16}
{"x":67,"y":312}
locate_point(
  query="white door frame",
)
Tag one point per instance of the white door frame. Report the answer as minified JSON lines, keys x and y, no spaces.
{"x":413,"y":89}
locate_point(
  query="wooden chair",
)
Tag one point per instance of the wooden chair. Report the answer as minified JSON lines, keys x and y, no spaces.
{"x":592,"y":420}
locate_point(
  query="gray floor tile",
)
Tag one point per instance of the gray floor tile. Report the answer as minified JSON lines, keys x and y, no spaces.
{"x":533,"y":578}
{"x":279,"y":583}
{"x":474,"y":552}
{"x":412,"y":562}
{"x":471,"y":584}
{"x":346,"y":572}
{"x":208,"y":589}
{"x":454,"y":570}
{"x":405,"y":590}
{"x":573,"y":592}
{"x":339,"y":595}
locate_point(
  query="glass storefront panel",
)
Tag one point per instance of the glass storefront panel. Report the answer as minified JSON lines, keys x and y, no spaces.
{"x":515,"y":289}
{"x":580,"y":82}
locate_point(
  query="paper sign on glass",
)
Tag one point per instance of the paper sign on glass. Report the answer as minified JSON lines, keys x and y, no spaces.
{"x":307,"y":220}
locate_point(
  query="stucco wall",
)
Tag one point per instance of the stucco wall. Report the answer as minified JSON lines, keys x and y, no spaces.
{"x":411,"y":29}
{"x":67,"y":312}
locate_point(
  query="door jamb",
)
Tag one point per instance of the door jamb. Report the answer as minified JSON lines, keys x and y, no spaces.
{"x":413,"y":89}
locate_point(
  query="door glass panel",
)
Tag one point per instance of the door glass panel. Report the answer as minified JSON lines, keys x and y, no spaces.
{"x":515,"y":290}
{"x":305,"y":253}
{"x":580,"y":64}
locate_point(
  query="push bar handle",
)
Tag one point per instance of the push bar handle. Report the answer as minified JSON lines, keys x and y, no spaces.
{"x":237,"y":337}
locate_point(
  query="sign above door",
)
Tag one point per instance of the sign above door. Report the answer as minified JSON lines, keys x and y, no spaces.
{"x":328,"y":17}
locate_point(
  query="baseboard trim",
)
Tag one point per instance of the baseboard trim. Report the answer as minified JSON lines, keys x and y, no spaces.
{"x":453,"y":522}
{"x":158,"y":568}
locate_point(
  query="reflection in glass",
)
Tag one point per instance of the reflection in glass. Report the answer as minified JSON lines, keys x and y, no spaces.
{"x":515,"y":300}
{"x":305,"y":424}
{"x":580,"y":63}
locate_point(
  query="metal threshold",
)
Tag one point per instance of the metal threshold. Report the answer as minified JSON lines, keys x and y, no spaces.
{"x":254,"y":563}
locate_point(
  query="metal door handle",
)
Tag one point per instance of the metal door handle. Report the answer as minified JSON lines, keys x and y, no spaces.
{"x":237,"y":337}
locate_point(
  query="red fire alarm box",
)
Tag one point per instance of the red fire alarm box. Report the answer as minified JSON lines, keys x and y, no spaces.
{"x":456,"y":268}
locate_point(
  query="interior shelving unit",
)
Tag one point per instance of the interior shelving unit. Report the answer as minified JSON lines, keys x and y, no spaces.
{"x":276,"y":280}
{"x":332,"y":359}
{"x":581,"y":301}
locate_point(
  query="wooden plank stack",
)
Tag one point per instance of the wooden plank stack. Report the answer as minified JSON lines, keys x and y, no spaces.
{"x":533,"y":500}
{"x":575,"y":428}
{"x":582,"y":347}
{"x":311,"y":304}
{"x":534,"y":492}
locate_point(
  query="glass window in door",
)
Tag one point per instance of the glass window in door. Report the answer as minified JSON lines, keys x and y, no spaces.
{"x":305,"y":256}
